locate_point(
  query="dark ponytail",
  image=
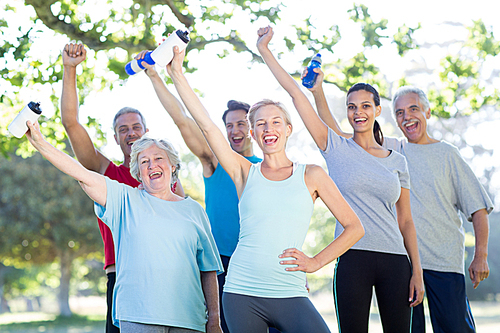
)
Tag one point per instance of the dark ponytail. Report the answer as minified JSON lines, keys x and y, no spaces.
{"x":377,"y":130}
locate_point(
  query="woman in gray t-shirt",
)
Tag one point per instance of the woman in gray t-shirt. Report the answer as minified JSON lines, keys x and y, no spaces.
{"x":373,"y":180}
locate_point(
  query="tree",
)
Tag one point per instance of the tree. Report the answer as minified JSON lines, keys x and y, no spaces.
{"x":459,"y":86}
{"x":119,"y":30}
{"x":44,"y":217}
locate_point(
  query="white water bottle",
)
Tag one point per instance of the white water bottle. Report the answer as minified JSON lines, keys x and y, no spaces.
{"x":162,"y":55}
{"x":30,"y":112}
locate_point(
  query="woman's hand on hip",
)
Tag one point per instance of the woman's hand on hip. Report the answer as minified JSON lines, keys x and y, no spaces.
{"x":301,"y":262}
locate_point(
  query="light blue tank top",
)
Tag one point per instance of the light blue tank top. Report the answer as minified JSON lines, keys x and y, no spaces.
{"x":275,"y":215}
{"x":221,"y":202}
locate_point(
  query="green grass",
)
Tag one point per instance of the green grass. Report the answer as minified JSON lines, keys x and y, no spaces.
{"x":52,"y":323}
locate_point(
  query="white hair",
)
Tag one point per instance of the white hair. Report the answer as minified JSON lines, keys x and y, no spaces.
{"x":405,"y":90}
{"x":144,"y":143}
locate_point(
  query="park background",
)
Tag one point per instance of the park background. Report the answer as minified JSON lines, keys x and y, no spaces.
{"x":50,"y":247}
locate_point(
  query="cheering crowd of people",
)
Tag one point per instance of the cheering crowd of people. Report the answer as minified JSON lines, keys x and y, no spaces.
{"x":237,"y":266}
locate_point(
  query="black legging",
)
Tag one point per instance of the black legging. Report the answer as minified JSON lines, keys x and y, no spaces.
{"x":250,"y":314}
{"x":221,"y":279}
{"x":356,"y":273}
{"x":110,"y":328}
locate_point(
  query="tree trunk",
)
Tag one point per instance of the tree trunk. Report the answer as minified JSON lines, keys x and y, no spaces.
{"x":4,"y":306}
{"x":63,"y":296}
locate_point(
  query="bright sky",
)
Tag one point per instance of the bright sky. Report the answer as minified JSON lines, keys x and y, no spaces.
{"x":234,"y":77}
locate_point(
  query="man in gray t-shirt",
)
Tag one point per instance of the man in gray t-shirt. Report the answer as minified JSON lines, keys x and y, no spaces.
{"x":442,"y":184}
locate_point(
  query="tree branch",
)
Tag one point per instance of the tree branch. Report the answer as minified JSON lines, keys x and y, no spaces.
{"x":239,"y":46}
{"x":187,"y":20}
{"x":132,"y":45}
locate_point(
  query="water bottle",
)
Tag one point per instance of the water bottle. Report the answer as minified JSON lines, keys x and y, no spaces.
{"x":162,"y":55}
{"x":30,"y":112}
{"x":309,"y":80}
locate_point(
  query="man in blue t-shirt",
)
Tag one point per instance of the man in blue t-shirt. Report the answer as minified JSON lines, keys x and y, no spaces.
{"x":221,"y":199}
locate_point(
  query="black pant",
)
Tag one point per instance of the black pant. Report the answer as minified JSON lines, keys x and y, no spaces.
{"x":221,"y":279}
{"x":356,"y":274}
{"x":110,"y":328}
{"x":250,"y":314}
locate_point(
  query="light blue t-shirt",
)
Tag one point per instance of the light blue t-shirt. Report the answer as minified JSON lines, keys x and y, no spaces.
{"x":161,"y":247}
{"x":371,"y":185}
{"x":221,"y":203}
{"x":275,"y":215}
{"x":442,"y":185}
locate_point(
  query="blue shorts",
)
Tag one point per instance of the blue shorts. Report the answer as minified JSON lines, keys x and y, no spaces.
{"x":448,"y":304}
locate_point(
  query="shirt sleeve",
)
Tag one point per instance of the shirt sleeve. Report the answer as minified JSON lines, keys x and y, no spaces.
{"x":207,"y":256}
{"x":110,"y":213}
{"x":392,"y":143}
{"x":334,"y":140}
{"x":404,"y":174}
{"x":471,"y":195}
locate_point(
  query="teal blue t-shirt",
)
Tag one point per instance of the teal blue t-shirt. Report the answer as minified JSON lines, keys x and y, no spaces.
{"x":275,"y":215}
{"x":221,"y":203}
{"x":161,"y":247}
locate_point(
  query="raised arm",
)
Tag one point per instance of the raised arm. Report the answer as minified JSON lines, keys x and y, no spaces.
{"x":87,"y":154}
{"x":235,"y":165}
{"x":322,"y":105}
{"x":189,"y":129}
{"x":407,"y":228}
{"x":320,"y":185}
{"x":315,"y":126}
{"x":92,"y":183}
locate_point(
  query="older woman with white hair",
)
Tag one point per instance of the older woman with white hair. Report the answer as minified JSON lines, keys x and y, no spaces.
{"x":166,"y":257}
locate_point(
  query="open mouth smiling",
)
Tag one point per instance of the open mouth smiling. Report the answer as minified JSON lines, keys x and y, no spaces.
{"x":270,"y":139}
{"x":237,"y":139}
{"x":360,"y":120}
{"x":155,"y":175}
{"x":410,"y":125}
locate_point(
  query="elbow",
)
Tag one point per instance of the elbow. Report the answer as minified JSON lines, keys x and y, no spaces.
{"x":355,"y":230}
{"x":68,"y":122}
{"x":360,"y":231}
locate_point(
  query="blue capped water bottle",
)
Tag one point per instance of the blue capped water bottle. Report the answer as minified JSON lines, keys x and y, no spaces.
{"x":309,"y":80}
{"x":162,"y":55}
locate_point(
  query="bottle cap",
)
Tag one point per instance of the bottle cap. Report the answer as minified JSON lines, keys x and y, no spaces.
{"x":35,"y":107}
{"x":183,"y":35}
{"x":317,"y":58}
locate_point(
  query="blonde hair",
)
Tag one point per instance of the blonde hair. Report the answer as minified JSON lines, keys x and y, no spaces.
{"x":144,"y":143}
{"x":266,"y":102}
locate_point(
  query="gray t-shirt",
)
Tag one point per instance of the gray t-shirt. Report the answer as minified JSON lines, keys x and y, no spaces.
{"x":442,"y":184}
{"x":371,"y":185}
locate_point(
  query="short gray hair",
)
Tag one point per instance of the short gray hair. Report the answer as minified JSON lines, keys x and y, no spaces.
{"x":405,"y":90}
{"x":126,"y":110}
{"x":144,"y":143}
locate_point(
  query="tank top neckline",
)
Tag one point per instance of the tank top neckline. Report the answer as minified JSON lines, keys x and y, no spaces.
{"x":294,"y":168}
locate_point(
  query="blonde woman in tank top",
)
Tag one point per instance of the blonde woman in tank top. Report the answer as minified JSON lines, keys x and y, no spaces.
{"x":265,"y":286}
{"x":375,"y":182}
